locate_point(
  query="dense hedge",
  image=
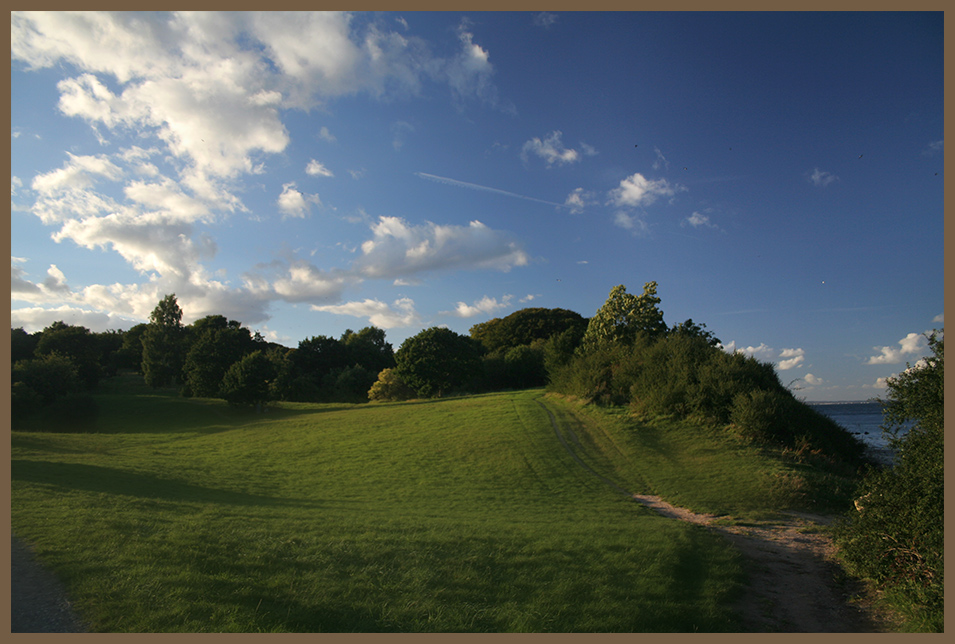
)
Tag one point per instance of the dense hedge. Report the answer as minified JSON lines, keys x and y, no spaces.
{"x":684,"y":375}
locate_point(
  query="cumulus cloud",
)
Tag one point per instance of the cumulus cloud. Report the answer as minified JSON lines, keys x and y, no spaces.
{"x":813,"y":381}
{"x":577,"y":200}
{"x":486,"y":305}
{"x":637,"y":190}
{"x":401,"y":313}
{"x":208,"y":92}
{"x":821,"y":178}
{"x":791,"y":358}
{"x":940,"y":318}
{"x":698,"y":219}
{"x":316,"y":169}
{"x":550,"y":149}
{"x":911,"y":345}
{"x":633,"y":223}
{"x":294,"y":203}
{"x":35,"y":319}
{"x":398,"y":248}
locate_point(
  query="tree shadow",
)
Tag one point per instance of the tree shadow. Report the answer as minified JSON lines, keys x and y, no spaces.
{"x":94,"y":478}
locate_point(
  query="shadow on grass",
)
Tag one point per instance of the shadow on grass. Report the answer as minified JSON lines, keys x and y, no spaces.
{"x":94,"y":478}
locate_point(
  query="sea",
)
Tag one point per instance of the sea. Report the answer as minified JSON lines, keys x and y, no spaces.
{"x":864,"y":420}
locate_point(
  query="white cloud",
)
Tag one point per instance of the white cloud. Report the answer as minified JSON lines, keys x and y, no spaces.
{"x":550,"y":149}
{"x":295,"y":281}
{"x":294,"y":203}
{"x":813,"y":381}
{"x":934,"y":147}
{"x":791,"y":358}
{"x":698,"y":219}
{"x":326,"y":135}
{"x":637,"y":190}
{"x":911,"y":344}
{"x":822,"y":178}
{"x":762,"y":352}
{"x":661,"y":161}
{"x":316,"y":169}
{"x":631,"y":222}
{"x":486,"y":305}
{"x":939,"y":318}
{"x":545,"y":19}
{"x":398,"y":249}
{"x":577,"y":200}
{"x":401,"y":313}
{"x":35,"y":319}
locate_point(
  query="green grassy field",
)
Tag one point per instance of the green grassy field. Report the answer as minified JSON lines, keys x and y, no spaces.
{"x":463,"y":514}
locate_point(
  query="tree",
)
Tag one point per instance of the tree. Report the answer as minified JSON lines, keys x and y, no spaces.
{"x":217,"y":344}
{"x":78,"y":344}
{"x":895,"y":536}
{"x":131,"y":353}
{"x":368,"y":349}
{"x":623,"y":316}
{"x":247,"y":381}
{"x":526,"y":326}
{"x":437,"y":360}
{"x":22,"y":344}
{"x":163,"y":344}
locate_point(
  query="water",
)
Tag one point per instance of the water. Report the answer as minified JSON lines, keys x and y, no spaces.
{"x":864,"y":420}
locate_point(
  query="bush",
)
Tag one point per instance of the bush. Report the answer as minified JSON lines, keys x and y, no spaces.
{"x":895,"y":536}
{"x":247,"y":381}
{"x":390,"y":386}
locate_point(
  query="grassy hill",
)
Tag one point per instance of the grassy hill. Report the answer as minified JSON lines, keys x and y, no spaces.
{"x":464,"y":514}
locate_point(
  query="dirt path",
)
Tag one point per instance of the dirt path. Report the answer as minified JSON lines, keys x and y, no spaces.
{"x":795,"y":585}
{"x":38,"y":602}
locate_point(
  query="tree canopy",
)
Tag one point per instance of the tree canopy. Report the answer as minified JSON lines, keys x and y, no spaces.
{"x":437,"y":360}
{"x":624,"y":316}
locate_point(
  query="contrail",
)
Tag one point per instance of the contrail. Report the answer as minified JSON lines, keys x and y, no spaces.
{"x":474,"y":186}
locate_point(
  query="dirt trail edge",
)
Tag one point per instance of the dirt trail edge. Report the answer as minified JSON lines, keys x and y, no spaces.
{"x":793,"y":577}
{"x":38,"y":601}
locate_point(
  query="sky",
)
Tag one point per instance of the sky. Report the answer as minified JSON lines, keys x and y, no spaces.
{"x":779,"y":175}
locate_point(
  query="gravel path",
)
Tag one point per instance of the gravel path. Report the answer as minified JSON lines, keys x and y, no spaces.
{"x":38,"y":602}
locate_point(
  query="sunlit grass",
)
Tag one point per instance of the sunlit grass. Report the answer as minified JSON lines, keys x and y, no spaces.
{"x":452,"y":515}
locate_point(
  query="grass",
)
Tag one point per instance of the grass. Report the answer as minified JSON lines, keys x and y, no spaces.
{"x":452,"y":515}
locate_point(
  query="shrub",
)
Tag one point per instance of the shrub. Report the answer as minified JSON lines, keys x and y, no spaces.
{"x":247,"y":381}
{"x":895,"y":536}
{"x":390,"y":386}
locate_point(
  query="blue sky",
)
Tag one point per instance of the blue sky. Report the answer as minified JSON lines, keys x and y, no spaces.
{"x":779,"y":175}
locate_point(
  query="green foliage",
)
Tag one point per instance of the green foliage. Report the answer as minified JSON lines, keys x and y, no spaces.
{"x":685,"y":376}
{"x":78,"y":344}
{"x":131,"y":352}
{"x":22,"y":344}
{"x":390,"y":386}
{"x":164,"y":344}
{"x":437,"y":360}
{"x":246,"y":383}
{"x":217,"y":344}
{"x":369,"y":349}
{"x":624,"y":316}
{"x":526,"y":326}
{"x":895,"y":537}
{"x":48,"y":376}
